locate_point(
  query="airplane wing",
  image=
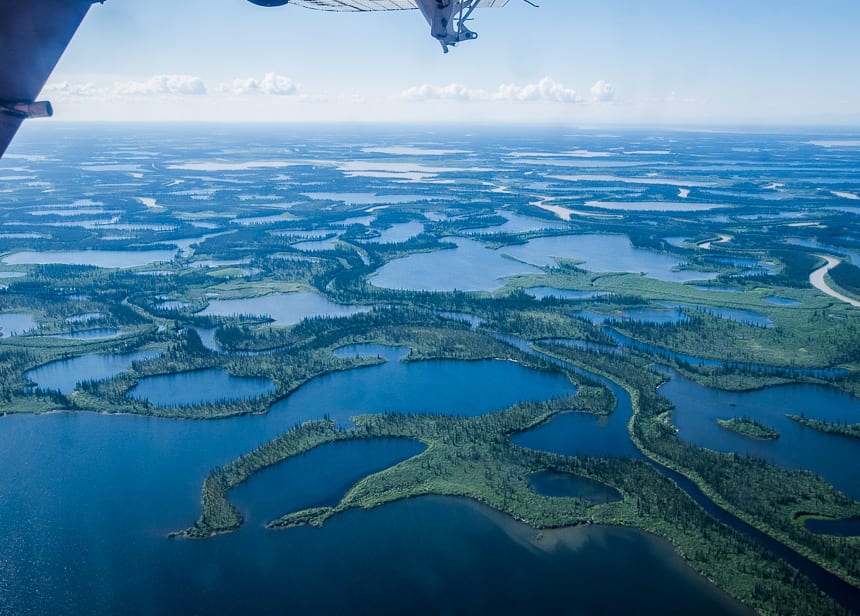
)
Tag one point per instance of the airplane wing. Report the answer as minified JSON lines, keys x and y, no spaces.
{"x":33,"y":36}
{"x":376,"y":5}
{"x":447,"y":18}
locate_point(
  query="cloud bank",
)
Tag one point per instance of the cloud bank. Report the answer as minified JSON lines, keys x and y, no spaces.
{"x":602,"y":92}
{"x":271,"y":84}
{"x":545,"y":90}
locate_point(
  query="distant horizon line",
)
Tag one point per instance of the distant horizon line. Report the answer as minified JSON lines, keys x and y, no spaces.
{"x":672,"y":127}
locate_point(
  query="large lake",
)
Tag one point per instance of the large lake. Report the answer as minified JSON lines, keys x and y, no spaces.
{"x":99,"y":258}
{"x":283,"y":308}
{"x":470,"y":267}
{"x":464,"y":388}
{"x":474,"y":267}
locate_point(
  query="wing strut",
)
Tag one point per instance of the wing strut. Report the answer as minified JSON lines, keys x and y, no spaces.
{"x":447,"y":19}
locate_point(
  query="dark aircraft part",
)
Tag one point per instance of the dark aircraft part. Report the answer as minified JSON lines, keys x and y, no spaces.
{"x":39,"y":109}
{"x":269,"y":2}
{"x":33,"y":36}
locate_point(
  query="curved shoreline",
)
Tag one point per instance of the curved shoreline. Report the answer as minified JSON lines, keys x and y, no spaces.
{"x":816,"y":279}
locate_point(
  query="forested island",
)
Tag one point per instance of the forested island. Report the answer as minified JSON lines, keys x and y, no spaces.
{"x":748,"y":427}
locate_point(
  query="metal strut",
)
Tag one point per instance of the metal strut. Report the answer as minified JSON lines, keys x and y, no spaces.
{"x":448,"y":21}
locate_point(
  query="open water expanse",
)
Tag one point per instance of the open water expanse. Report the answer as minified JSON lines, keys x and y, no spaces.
{"x":87,"y":500}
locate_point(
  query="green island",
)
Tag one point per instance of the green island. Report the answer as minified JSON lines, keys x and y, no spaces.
{"x":745,"y":426}
{"x":849,"y":430}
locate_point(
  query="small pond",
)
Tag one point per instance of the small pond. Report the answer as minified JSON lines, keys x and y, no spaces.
{"x":399,"y":233}
{"x":90,"y":334}
{"x":542,"y":292}
{"x":555,"y":483}
{"x":837,"y":528}
{"x":16,"y":323}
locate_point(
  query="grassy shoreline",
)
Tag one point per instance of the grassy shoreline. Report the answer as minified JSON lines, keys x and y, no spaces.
{"x":846,"y":430}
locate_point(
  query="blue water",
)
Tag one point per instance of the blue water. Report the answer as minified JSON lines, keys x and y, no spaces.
{"x":469,"y":267}
{"x":90,"y":334}
{"x":542,"y":292}
{"x":732,"y":314}
{"x":603,"y":252}
{"x":554,"y":483}
{"x":638,"y":315}
{"x":782,"y":301}
{"x":832,"y":457}
{"x":582,"y":434}
{"x":198,"y":387}
{"x":16,"y":323}
{"x":64,"y":375}
{"x":717,"y":289}
{"x":283,"y":308}
{"x":399,"y":233}
{"x":837,"y":528}
{"x":319,"y":478}
{"x":450,"y":387}
{"x":107,"y":489}
{"x":100,"y":258}
{"x":518,"y":224}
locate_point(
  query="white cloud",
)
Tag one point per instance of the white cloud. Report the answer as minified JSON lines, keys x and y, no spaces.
{"x":270,"y":84}
{"x":64,"y":88}
{"x":546,"y":89}
{"x":451,"y":92}
{"x":161,"y":84}
{"x":602,"y":92}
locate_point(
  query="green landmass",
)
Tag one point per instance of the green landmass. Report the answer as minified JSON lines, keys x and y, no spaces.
{"x":849,"y":430}
{"x":745,"y":426}
{"x":846,"y":276}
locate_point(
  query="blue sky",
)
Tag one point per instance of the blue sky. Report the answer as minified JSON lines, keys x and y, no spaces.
{"x":572,"y":61}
